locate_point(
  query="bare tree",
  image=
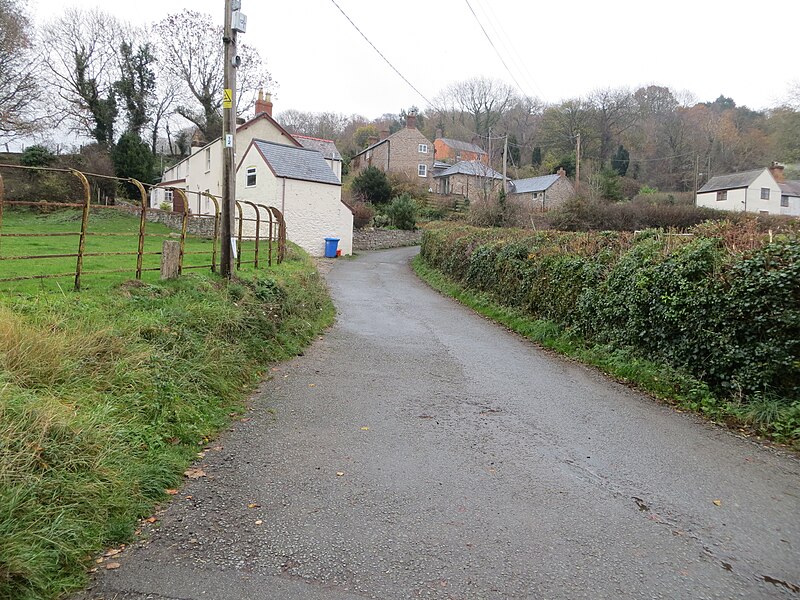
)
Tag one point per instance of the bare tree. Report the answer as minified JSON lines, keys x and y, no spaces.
{"x":614,"y":112}
{"x":17,"y":84}
{"x":482,"y":100}
{"x":79,"y":54}
{"x":191,"y":50}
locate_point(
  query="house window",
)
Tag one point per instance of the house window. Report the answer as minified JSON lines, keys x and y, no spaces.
{"x":765,"y":193}
{"x":722,"y":195}
{"x":250,"y":180}
{"x":422,"y":171}
{"x":208,"y":159}
{"x":785,"y":201}
{"x":423,"y":148}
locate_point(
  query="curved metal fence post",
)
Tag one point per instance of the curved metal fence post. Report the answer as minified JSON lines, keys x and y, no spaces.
{"x":258,"y":229}
{"x":215,"y":239}
{"x":239,"y":237}
{"x":84,"y":226}
{"x":184,"y":223}
{"x":281,"y":233}
{"x":142,"y":225}
{"x":2,"y":201}
{"x":269,"y":212}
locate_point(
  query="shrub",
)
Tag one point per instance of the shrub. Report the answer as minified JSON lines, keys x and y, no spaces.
{"x":372,"y":185}
{"x":402,"y":212}
{"x":362,"y":214}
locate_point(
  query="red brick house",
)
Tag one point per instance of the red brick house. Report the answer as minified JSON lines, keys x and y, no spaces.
{"x":453,"y":151}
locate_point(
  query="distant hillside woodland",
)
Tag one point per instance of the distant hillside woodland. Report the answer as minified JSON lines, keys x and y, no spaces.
{"x":651,"y":136}
{"x":141,"y":95}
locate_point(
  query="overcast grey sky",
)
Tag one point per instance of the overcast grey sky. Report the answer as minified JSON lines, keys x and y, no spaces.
{"x":554,"y":50}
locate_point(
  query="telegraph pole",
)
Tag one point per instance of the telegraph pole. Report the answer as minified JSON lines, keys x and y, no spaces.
{"x":505,"y":161}
{"x":234,"y":21}
{"x":696,"y":176}
{"x":578,"y":162}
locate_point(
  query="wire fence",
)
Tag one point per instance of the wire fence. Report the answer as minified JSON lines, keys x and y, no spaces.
{"x":55,"y":250}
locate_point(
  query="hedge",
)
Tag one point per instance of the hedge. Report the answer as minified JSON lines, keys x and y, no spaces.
{"x":722,"y":303}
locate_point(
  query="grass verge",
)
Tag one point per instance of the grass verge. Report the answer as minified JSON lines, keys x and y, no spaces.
{"x":661,"y":381}
{"x":105,"y":396}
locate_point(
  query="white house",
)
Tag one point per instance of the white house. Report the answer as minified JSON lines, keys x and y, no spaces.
{"x":324,"y":214}
{"x":300,"y":183}
{"x":328,"y":150}
{"x":757,"y":191}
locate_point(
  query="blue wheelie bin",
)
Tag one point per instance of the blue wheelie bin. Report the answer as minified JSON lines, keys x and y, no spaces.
{"x":331,"y":244}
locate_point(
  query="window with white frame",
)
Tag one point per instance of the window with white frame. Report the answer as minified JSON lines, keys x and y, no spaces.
{"x":208,"y":159}
{"x":765,"y":193}
{"x":423,"y":148}
{"x":250,"y":178}
{"x":167,"y":195}
{"x":722,"y":195}
{"x":422,"y":170}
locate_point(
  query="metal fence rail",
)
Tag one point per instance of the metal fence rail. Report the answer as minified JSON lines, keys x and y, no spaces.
{"x":277,"y":228}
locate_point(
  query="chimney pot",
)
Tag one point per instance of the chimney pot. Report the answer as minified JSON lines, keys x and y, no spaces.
{"x":264,"y":103}
{"x":411,"y":119}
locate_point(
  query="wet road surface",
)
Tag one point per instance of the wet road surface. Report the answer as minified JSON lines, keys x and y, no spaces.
{"x":420,"y":451}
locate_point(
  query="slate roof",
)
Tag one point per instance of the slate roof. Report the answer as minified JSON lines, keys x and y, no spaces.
{"x":463,"y":146}
{"x":470,"y":167}
{"x":533,"y":184}
{"x":326,"y":147}
{"x":296,"y":163}
{"x":730,"y":182}
{"x":790,"y":188}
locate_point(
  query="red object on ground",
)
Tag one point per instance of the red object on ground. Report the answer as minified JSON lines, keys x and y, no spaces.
{"x":338,"y":252}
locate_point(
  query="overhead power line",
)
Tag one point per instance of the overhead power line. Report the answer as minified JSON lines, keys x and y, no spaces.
{"x":500,"y":56}
{"x":388,"y":62}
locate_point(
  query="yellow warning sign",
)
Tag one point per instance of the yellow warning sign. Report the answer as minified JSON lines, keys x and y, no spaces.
{"x":227,"y":98}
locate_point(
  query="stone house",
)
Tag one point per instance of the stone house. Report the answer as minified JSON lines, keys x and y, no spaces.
{"x":453,"y":151}
{"x":323,"y":211}
{"x":406,"y":152}
{"x":758,"y":191}
{"x":545,"y":192}
{"x":471,"y":179}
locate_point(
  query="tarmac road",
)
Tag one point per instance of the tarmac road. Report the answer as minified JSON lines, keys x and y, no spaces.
{"x":420,"y":451}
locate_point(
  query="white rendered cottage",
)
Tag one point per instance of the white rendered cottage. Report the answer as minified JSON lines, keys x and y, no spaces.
{"x":756,"y":191}
{"x":299,"y":182}
{"x":310,"y":184}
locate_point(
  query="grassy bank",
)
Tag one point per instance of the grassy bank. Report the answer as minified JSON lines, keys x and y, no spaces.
{"x":541,"y":287}
{"x":106,"y":396}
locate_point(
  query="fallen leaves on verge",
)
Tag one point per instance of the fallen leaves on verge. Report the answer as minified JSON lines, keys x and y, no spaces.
{"x":113,"y":565}
{"x":259,"y":522}
{"x":253,"y":505}
{"x":171,"y":492}
{"x":365,"y":429}
{"x":717,"y":502}
{"x":339,"y":473}
{"x":194,"y":473}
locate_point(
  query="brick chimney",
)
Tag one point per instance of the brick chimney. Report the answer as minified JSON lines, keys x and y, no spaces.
{"x":384,"y":133}
{"x":561,"y":172}
{"x":411,"y":119}
{"x":198,"y":141}
{"x":264,"y":103}
{"x":439,"y":133}
{"x":777,"y":172}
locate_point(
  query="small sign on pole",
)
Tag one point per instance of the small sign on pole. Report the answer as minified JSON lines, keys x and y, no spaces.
{"x":229,"y":140}
{"x":227,"y":98}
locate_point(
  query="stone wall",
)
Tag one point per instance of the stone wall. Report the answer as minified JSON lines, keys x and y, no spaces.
{"x":196,"y":225}
{"x":377,"y":239}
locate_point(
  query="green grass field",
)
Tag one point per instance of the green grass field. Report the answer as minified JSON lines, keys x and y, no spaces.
{"x":102,"y":221}
{"x":106,"y":395}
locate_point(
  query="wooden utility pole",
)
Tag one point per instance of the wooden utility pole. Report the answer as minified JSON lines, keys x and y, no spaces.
{"x":228,"y":143}
{"x":490,"y":147}
{"x":578,"y":162}
{"x":696,"y":176}
{"x":505,"y":161}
